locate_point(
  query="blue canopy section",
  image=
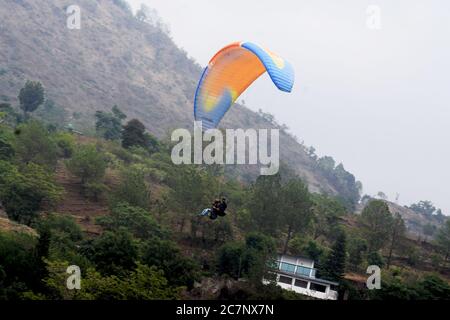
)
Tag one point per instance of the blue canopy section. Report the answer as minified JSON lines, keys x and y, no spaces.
{"x":283,"y":77}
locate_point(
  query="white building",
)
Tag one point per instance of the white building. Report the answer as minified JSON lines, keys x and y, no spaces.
{"x":298,"y":274}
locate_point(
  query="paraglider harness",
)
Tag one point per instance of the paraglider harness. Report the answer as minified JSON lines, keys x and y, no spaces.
{"x":217,"y":210}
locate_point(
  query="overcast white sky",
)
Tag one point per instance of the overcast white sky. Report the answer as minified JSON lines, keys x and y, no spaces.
{"x":377,"y":100}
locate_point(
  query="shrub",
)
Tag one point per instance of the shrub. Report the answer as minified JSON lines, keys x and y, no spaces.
{"x":17,"y":263}
{"x":133,"y":188}
{"x":6,"y":149}
{"x":113,"y":252}
{"x":23,"y":193}
{"x":136,"y":220}
{"x":374,"y":258}
{"x":87,"y":163}
{"x":65,"y":143}
{"x":93,"y":190}
{"x":34,"y":144}
{"x":165,"y":255}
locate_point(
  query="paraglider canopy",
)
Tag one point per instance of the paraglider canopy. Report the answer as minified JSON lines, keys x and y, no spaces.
{"x":232,"y":70}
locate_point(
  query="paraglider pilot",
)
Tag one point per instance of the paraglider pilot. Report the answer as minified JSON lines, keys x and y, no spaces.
{"x":217,"y":209}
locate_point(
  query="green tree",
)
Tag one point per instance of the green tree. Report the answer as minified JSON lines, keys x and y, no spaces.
{"x":264,"y":204}
{"x":87,"y":163}
{"x":113,"y":252}
{"x":152,"y":144}
{"x":167,"y":256}
{"x":60,"y":223}
{"x":8,"y":115}
{"x":393,"y":289}
{"x":142,"y":283}
{"x":432,"y":287}
{"x":24,"y":192}
{"x":376,"y":221}
{"x":17,"y":263}
{"x":429,"y":230}
{"x":326,"y":214}
{"x":260,"y":251}
{"x":440,"y":217}
{"x":327,"y":163}
{"x":347,"y":186}
{"x":31,"y":96}
{"x":66,"y":144}
{"x":334,"y":266}
{"x":42,"y":250}
{"x":118,"y":113}
{"x":397,"y":236}
{"x":375,"y":258}
{"x":109,"y":124}
{"x":443,"y":240}
{"x":134,"y":134}
{"x":382,"y":195}
{"x":187,"y":194}
{"x":356,"y":249}
{"x":229,"y":259}
{"x":7,"y":151}
{"x":423,"y":207}
{"x":349,"y":189}
{"x":295,"y":208}
{"x":223,"y":230}
{"x":136,"y":220}
{"x":35,"y":144}
{"x":133,"y":188}
{"x":251,"y":259}
{"x":313,"y":250}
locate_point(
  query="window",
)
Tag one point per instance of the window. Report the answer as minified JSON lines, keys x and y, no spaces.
{"x":287,"y":267}
{"x":303,"y":271}
{"x":300,"y":283}
{"x":285,"y":280}
{"x":318,"y":287}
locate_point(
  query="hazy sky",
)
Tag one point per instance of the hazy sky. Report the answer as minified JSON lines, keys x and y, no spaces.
{"x":376,"y":100}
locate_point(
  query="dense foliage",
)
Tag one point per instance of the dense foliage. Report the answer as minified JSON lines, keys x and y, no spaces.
{"x":150,"y":242}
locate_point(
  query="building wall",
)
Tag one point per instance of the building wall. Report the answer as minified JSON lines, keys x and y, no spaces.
{"x":327,"y":295}
{"x":304,"y":262}
{"x":296,"y":264}
{"x":303,"y":278}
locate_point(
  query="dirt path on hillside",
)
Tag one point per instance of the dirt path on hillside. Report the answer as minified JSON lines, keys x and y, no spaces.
{"x":74,"y":204}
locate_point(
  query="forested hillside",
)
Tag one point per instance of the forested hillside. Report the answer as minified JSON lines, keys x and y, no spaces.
{"x":115,"y":206}
{"x":118,"y":59}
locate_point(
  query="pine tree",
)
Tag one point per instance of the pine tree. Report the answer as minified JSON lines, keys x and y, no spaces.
{"x":377,"y":222}
{"x":296,"y":208}
{"x":398,"y":232}
{"x":334,"y":266}
{"x":265,"y":204}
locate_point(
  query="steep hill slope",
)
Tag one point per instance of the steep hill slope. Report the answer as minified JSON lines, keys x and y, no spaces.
{"x":115,"y":59}
{"x":11,"y":226}
{"x":414,"y":222}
